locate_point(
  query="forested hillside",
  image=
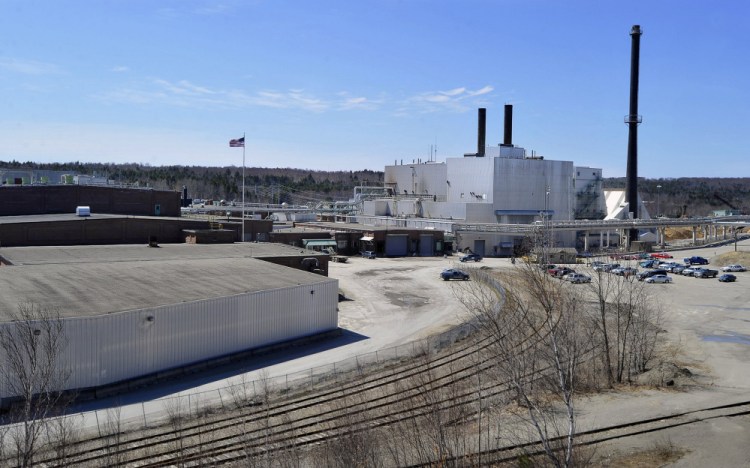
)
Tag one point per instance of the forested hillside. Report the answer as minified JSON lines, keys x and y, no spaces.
{"x":690,"y":196}
{"x":694,"y":196}
{"x":263,"y":185}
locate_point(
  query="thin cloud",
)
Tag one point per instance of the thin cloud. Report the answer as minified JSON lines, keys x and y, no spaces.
{"x":28,"y":67}
{"x":454,"y":92}
{"x":349,"y":102}
{"x":184,"y":93}
{"x":479,"y":92}
{"x":456,"y":99}
{"x":120,"y":69}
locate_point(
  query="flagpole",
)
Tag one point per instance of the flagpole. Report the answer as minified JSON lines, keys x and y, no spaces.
{"x":243,"y":186}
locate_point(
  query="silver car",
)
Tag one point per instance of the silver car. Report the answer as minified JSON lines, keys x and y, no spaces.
{"x":576,"y":278}
{"x":659,"y":279}
{"x":733,"y":268}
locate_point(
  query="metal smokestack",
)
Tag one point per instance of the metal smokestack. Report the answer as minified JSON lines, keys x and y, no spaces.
{"x":633,"y":119}
{"x":508,"y":128}
{"x":481,"y":131}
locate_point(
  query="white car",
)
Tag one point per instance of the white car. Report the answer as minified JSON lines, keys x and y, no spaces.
{"x":577,"y":278}
{"x":659,"y":279}
{"x":733,"y":268}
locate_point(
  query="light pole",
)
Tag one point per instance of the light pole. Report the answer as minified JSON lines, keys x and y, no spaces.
{"x":658,"y":196}
{"x":545,"y":223}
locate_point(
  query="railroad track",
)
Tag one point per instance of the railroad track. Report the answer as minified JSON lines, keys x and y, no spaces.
{"x":91,"y":450}
{"x":605,"y":434}
{"x":379,"y":400}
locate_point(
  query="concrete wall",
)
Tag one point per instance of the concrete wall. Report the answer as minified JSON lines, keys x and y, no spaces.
{"x":470,"y":175}
{"x":520,"y":184}
{"x":418,"y":179}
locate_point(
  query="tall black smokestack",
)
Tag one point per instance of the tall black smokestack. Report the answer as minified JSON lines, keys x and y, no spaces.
{"x":633,"y":119}
{"x":481,"y":131}
{"x":508,"y":128}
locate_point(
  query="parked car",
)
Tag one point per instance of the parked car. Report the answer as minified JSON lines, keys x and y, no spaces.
{"x":727,"y":278}
{"x":625,"y":271}
{"x":705,"y":273}
{"x":610,"y":266}
{"x":687,"y":271}
{"x":559,"y":272}
{"x":452,"y":273}
{"x":661,"y":255}
{"x":649,"y":263}
{"x":471,"y":258}
{"x":659,"y":279}
{"x":695,"y":260}
{"x":576,"y":278}
{"x":368,"y":254}
{"x":677,"y":269}
{"x":733,"y":268}
{"x":649,"y":273}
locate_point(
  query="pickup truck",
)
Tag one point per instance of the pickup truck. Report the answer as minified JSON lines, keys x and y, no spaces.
{"x":695,"y":261}
{"x":471,"y":258}
{"x":705,"y":273}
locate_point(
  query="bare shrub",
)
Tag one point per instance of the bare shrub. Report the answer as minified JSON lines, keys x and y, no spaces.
{"x":32,"y":344}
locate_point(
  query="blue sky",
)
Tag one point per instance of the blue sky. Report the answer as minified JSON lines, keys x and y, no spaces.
{"x":350,"y":85}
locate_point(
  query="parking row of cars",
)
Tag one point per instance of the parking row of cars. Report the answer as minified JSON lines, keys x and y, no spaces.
{"x":657,"y":272}
{"x":567,"y":274}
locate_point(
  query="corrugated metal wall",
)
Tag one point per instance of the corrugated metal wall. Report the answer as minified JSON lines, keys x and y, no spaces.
{"x":109,"y":348}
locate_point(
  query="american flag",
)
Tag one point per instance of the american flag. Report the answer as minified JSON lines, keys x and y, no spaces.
{"x":238,"y":143}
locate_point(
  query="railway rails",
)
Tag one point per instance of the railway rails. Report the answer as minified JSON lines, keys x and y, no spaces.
{"x":165,"y":445}
{"x":612,"y":432}
{"x":158,"y":447}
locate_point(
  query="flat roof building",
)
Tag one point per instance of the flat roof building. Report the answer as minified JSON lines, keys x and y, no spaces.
{"x":130,"y":311}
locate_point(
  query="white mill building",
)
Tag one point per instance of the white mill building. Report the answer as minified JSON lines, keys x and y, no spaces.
{"x":498,"y":184}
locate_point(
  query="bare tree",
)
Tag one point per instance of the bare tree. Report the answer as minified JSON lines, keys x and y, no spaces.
{"x":177,"y":414}
{"x":62,"y":432}
{"x":537,"y":347}
{"x":32,"y":344}
{"x":111,"y":433}
{"x":627,"y":324}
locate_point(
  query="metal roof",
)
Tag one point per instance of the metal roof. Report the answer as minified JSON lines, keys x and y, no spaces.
{"x":95,"y":280}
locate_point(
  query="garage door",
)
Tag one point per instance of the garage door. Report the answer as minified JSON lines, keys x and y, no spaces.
{"x":426,"y":245}
{"x":396,"y":245}
{"x":479,"y":247}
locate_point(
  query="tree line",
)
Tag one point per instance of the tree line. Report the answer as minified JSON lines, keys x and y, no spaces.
{"x":672,"y":197}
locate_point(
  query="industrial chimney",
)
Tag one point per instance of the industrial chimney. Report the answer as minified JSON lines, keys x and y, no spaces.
{"x":508,"y":128}
{"x":481,"y":131}
{"x":633,"y":119}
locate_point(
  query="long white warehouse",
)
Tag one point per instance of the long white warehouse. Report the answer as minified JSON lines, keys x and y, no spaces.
{"x":130,"y":311}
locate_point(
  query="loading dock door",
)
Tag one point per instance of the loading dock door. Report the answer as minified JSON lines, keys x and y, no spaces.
{"x":426,"y":245}
{"x":396,"y":245}
{"x":479,"y":247}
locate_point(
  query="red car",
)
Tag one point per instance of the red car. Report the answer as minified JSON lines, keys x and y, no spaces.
{"x":661,"y":255}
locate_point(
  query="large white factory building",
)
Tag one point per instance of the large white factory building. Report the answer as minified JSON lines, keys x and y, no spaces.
{"x":497,"y":184}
